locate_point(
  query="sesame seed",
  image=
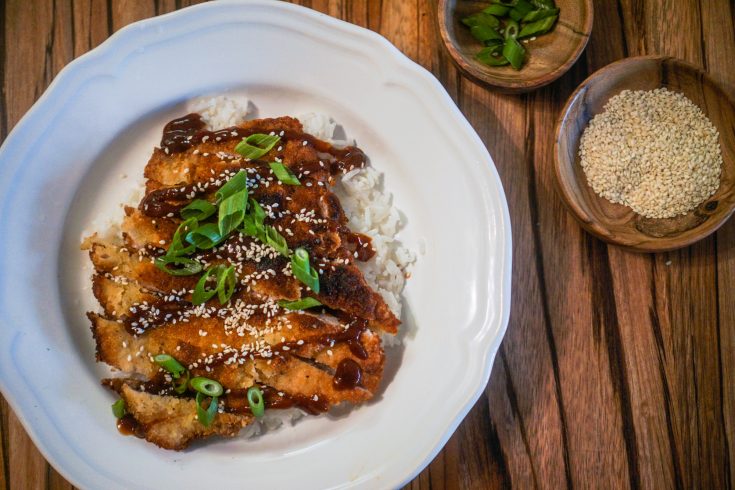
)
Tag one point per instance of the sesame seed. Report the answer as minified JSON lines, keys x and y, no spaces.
{"x":653,"y":151}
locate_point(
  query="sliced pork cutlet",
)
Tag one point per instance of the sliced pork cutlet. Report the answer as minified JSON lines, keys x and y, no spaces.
{"x":309,"y":360}
{"x":300,"y":359}
{"x":194,"y":163}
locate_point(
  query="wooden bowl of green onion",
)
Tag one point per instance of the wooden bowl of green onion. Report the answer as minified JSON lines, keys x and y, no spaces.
{"x":515,"y":46}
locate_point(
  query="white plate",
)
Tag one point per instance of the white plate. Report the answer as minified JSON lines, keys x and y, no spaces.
{"x":61,"y":168}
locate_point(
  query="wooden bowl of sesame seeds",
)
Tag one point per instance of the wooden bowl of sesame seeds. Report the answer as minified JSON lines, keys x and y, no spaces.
{"x":549,"y":56}
{"x":618,"y":223}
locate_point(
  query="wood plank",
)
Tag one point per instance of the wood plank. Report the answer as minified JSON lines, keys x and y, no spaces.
{"x":532,"y":360}
{"x":718,"y":54}
{"x":34,"y":63}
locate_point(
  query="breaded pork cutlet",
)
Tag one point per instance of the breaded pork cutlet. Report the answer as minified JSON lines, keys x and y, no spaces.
{"x":236,"y":272}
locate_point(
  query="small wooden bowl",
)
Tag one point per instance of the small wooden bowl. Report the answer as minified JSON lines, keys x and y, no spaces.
{"x":619,"y":224}
{"x":549,"y":56}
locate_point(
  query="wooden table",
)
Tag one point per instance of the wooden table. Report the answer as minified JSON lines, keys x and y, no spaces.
{"x":617,"y":368}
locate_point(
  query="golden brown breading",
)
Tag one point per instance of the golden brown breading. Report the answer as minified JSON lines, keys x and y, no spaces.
{"x":309,"y":359}
{"x":170,"y":422}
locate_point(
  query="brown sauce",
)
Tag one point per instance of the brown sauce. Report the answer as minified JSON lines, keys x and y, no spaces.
{"x":361,"y":245}
{"x":162,"y":202}
{"x":350,"y":336}
{"x":128,"y":426}
{"x":236,"y":401}
{"x":348,"y":375}
{"x":178,"y":133}
{"x":185,"y":132}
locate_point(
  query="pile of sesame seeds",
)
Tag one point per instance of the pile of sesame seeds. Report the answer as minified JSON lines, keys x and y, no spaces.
{"x":654,"y":151}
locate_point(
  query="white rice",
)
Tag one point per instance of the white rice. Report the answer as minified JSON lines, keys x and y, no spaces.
{"x":368,"y":207}
{"x":221,"y":111}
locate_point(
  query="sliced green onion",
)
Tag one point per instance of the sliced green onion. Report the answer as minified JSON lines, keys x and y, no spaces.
{"x":256,"y":402}
{"x":206,"y":386}
{"x":237,"y":183}
{"x":485,"y":33}
{"x":170,"y":364}
{"x":540,"y":14}
{"x":201,"y":294}
{"x":198,"y":209}
{"x":303,"y":271}
{"x":523,"y":7}
{"x":232,"y":211}
{"x":485,"y":55}
{"x":205,"y":237}
{"x":251,"y":228}
{"x":497,"y":10}
{"x":481,"y":19}
{"x":177,"y":249}
{"x":511,"y":29}
{"x":539,"y":27}
{"x":301,"y":304}
{"x":256,"y":145}
{"x":300,"y":258}
{"x":514,"y":52}
{"x":188,"y":267}
{"x":226,"y":282}
{"x":206,"y":417}
{"x":182,"y":383}
{"x":118,"y":409}
{"x":276,"y":240}
{"x":257,"y":211}
{"x":283,"y":173}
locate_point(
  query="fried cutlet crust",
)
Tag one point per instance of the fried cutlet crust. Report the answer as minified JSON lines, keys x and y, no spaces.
{"x":297,"y":358}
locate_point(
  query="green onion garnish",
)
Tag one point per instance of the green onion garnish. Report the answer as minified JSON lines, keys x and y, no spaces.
{"x":118,"y":408}
{"x":484,"y":33}
{"x":540,"y":14}
{"x":481,"y":19}
{"x":170,"y":364}
{"x":253,"y":221}
{"x":226,"y":282}
{"x":502,"y":24}
{"x":257,"y":211}
{"x":541,"y":26}
{"x":276,"y":240}
{"x":489,"y":56}
{"x":206,"y":417}
{"x":177,"y":249}
{"x":251,"y":228}
{"x":255,"y":399}
{"x":256,"y":145}
{"x":237,"y":183}
{"x":496,"y":10}
{"x":232,"y":211}
{"x":514,"y":52}
{"x":198,"y":209}
{"x":205,"y":237}
{"x":303,"y":271}
{"x":283,"y":173}
{"x":182,"y":383}
{"x":301,"y":304}
{"x":206,"y":386}
{"x":188,"y":267}
{"x":201,"y":294}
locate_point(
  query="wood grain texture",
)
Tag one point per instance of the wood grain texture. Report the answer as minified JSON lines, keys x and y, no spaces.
{"x":619,"y":224}
{"x":617,"y":368}
{"x":549,"y":56}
